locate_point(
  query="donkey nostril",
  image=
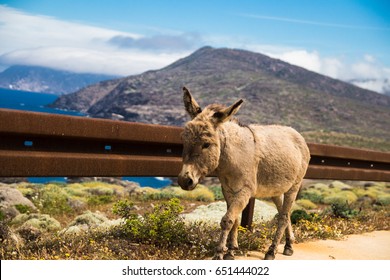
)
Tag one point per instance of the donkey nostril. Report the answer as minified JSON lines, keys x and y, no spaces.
{"x":189,"y":182}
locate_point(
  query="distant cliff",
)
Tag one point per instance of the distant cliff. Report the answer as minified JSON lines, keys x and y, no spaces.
{"x":41,"y":79}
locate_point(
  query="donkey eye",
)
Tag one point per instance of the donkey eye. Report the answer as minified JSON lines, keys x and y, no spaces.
{"x":205,"y":145}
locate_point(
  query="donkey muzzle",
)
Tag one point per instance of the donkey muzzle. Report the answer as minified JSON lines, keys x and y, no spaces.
{"x":186,"y":181}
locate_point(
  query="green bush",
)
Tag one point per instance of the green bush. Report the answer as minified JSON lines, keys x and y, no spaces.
{"x":163,"y":226}
{"x":100,"y":199}
{"x":306,"y":203}
{"x":217,"y":191}
{"x":340,"y":198}
{"x":344,"y":211}
{"x":298,"y":215}
{"x":383,"y":199}
{"x":53,"y":200}
{"x":23,"y":208}
{"x":42,"y":222}
{"x":313,"y":195}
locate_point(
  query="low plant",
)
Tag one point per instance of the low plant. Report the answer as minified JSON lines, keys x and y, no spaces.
{"x":52,"y":200}
{"x":383,"y":199}
{"x":306,"y":204}
{"x":344,"y":210}
{"x":341,"y":198}
{"x":313,"y":195}
{"x":298,"y":215}
{"x":162,"y":226}
{"x":23,"y":209}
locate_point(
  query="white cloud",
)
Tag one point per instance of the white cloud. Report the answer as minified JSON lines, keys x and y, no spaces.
{"x":313,"y":61}
{"x":45,"y":41}
{"x":89,"y":61}
{"x":303,"y":58}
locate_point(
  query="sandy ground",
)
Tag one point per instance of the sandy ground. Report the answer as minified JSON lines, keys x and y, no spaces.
{"x":369,"y":246}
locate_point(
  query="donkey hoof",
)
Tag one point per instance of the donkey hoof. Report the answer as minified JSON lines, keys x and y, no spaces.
{"x":228,"y":256}
{"x":269,"y":256}
{"x":288,"y":251}
{"x":218,"y":257}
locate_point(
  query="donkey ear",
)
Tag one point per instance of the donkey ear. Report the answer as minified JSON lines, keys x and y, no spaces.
{"x":192,"y":107}
{"x":226,"y":114}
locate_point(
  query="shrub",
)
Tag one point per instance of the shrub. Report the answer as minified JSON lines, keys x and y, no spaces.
{"x":41,"y":222}
{"x":306,"y":203}
{"x":200,"y":193}
{"x":53,"y":200}
{"x":344,"y":211}
{"x":312,"y":194}
{"x":217,"y":191}
{"x":100,"y":199}
{"x":22,"y":208}
{"x":90,"y":219}
{"x":298,"y":215}
{"x":163,"y":226}
{"x":341,"y":198}
{"x":383,"y":199}
{"x":339,"y":185}
{"x":2,"y":216}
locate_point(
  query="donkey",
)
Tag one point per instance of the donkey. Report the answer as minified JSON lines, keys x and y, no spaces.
{"x":250,"y":161}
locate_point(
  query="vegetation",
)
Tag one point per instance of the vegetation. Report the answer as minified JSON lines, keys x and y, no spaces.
{"x":149,"y":224}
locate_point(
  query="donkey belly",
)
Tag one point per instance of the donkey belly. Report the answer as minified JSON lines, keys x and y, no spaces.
{"x":283,"y":161}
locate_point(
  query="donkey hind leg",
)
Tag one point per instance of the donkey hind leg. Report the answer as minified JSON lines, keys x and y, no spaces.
{"x":229,"y":223}
{"x":283,"y":224}
{"x":288,"y":250}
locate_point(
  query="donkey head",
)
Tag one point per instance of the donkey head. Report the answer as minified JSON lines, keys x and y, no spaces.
{"x":201,"y":141}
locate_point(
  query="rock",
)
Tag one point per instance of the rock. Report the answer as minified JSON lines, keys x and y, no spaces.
{"x":10,"y":199}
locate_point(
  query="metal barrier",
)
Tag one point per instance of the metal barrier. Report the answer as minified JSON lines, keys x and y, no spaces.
{"x":38,"y":144}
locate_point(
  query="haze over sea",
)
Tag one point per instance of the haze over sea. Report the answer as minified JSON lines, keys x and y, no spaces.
{"x":38,"y":102}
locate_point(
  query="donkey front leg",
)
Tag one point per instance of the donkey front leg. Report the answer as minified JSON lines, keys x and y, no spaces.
{"x":229,"y":226}
{"x":232,"y":242}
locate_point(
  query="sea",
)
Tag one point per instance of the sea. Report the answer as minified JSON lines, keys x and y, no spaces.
{"x":38,"y":102}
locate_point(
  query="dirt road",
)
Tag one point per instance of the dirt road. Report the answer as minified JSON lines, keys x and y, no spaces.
{"x":369,"y":246}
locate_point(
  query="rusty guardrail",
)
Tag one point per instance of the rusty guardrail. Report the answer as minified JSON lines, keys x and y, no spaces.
{"x":38,"y":144}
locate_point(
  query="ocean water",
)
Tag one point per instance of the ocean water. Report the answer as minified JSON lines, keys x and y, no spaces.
{"x":31,"y":101}
{"x":37,"y":102}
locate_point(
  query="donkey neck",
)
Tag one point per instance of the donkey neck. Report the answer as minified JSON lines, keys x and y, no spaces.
{"x":238,"y":146}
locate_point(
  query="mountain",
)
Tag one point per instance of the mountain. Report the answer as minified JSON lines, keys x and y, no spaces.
{"x":46,"y":80}
{"x":275,"y":92}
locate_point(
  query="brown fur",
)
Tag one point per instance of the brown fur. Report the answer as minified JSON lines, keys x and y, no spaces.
{"x":250,"y":161}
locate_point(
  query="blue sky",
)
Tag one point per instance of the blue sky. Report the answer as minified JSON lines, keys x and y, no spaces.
{"x":343,"y":39}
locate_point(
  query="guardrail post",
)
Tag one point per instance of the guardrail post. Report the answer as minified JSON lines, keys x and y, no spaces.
{"x":247,"y":214}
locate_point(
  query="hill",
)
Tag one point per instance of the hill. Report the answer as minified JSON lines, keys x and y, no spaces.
{"x":46,"y":80}
{"x":324,"y":109}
